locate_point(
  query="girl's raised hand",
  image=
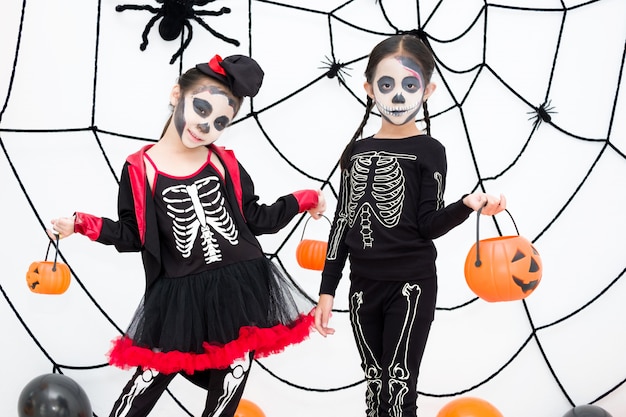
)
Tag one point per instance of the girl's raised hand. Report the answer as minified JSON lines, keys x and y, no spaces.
{"x":63,"y":226}
{"x":490,"y":204}
{"x":317,"y":211}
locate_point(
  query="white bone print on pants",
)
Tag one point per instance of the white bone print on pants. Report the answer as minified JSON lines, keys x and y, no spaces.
{"x":231,"y":383}
{"x":141,"y":383}
{"x":199,"y":207}
{"x":398,"y":369}
{"x":373,"y":371}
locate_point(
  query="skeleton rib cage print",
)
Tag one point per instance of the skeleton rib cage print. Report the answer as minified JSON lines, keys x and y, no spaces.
{"x":198,"y":212}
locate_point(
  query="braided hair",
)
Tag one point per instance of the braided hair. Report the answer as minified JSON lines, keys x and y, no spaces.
{"x":407,"y":44}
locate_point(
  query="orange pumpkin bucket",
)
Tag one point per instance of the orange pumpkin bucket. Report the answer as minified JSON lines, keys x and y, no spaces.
{"x":48,"y":277}
{"x":311,"y":254}
{"x":504,"y":268}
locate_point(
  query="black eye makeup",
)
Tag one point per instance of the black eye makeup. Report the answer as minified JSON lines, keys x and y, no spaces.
{"x":386,"y":84}
{"x":221,"y":122}
{"x":411,"y":84}
{"x":202,"y":107}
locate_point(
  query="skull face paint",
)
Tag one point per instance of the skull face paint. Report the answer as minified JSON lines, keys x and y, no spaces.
{"x":398,"y":89}
{"x":202,"y":115}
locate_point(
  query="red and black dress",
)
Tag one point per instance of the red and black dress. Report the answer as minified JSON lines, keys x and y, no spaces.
{"x":211,"y":294}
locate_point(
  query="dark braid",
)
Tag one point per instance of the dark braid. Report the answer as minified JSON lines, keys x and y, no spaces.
{"x":347,"y":152}
{"x":426,"y":117}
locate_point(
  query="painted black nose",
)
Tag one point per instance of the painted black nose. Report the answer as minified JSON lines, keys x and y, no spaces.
{"x":398,"y":98}
{"x":204,"y":127}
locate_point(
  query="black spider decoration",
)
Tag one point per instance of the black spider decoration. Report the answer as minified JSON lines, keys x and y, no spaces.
{"x":176,"y":15}
{"x":542,"y":114}
{"x":335,"y":69}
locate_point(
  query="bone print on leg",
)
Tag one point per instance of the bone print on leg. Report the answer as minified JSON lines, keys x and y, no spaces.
{"x":373,"y":371}
{"x":134,"y":400}
{"x":398,"y":370}
{"x":233,"y":380}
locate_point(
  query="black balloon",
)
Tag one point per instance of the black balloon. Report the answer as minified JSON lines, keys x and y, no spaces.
{"x":587,"y":411}
{"x":53,"y":395}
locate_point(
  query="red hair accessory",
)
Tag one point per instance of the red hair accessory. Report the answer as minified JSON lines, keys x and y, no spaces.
{"x":214,"y":64}
{"x":241,"y":74}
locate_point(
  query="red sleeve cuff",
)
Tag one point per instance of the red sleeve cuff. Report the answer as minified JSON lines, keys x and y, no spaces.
{"x":307,"y":199}
{"x":87,"y":225}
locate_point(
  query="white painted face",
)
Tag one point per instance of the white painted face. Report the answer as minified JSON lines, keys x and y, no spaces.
{"x":202,"y":115}
{"x":398,"y":89}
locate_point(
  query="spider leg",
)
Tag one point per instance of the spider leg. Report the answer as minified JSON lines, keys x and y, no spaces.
{"x":335,"y":69}
{"x":223,"y":10}
{"x":185,"y":43}
{"x":144,"y":34}
{"x":215,"y":33}
{"x":122,"y":7}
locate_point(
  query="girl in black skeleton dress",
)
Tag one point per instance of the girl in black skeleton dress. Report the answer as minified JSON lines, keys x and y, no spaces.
{"x":389,"y":211}
{"x":213,"y":301}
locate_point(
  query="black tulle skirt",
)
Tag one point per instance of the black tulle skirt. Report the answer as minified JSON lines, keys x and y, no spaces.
{"x":208,"y":320}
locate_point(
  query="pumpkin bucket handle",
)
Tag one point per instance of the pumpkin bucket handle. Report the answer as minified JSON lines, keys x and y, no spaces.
{"x":56,"y":253}
{"x":307,"y":222}
{"x":478,"y":263}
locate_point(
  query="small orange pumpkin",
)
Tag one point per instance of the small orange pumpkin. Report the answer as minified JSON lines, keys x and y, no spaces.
{"x":48,"y":277}
{"x":311,"y":254}
{"x":468,"y":407}
{"x":504,"y":268}
{"x":247,"y":408}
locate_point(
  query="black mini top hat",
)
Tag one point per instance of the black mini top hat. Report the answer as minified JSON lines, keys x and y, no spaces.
{"x":240,"y":73}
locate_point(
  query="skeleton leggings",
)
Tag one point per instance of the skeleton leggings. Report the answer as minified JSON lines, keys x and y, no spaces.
{"x":224,"y":390}
{"x":391,"y":321}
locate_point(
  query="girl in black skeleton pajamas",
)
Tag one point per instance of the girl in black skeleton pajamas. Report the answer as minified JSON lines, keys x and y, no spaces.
{"x":213,"y":301}
{"x":389,"y":211}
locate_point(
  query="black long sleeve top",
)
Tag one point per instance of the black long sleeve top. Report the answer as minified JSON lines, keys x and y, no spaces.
{"x":389,"y":211}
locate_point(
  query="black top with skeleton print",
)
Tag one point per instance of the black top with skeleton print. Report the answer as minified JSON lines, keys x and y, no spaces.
{"x":389,"y":211}
{"x":136,"y":229}
{"x":196,"y":224}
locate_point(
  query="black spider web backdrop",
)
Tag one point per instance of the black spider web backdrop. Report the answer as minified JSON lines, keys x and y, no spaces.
{"x":78,"y":95}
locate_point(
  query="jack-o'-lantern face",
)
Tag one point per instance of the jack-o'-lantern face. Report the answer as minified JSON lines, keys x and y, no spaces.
{"x":506,"y":268}
{"x":48,"y":277}
{"x":526,"y":268}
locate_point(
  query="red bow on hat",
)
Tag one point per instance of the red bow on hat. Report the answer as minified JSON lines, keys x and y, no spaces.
{"x":214,"y":64}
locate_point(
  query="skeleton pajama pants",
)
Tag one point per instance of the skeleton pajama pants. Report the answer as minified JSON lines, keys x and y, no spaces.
{"x":391,"y":321}
{"x":224,"y":390}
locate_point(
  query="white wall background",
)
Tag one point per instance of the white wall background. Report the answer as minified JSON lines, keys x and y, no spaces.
{"x":71,"y":73}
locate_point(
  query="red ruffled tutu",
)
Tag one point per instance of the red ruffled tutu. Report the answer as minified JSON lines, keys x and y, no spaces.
{"x":209,"y":320}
